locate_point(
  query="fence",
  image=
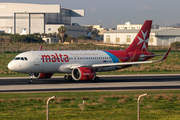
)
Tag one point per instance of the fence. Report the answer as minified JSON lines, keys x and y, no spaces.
{"x":97,"y":105}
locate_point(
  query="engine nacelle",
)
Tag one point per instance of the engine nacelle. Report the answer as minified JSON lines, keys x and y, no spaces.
{"x":82,"y":73}
{"x":42,"y":75}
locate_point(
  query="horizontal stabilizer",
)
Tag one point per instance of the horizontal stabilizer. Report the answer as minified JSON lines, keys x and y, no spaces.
{"x":143,"y":56}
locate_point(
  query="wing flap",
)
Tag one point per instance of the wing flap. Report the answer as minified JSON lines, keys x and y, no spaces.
{"x":119,"y":64}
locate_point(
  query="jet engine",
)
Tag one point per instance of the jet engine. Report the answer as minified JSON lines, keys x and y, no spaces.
{"x":83,"y":73}
{"x":42,"y":75}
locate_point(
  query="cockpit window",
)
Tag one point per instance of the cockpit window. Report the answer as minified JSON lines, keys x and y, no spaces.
{"x":17,"y":58}
{"x":20,"y":58}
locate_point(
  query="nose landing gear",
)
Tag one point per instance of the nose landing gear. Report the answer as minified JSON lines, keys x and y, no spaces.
{"x":30,"y":78}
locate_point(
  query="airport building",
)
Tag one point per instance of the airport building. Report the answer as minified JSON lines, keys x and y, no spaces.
{"x":158,"y":37}
{"x":38,"y":18}
{"x":128,"y":25}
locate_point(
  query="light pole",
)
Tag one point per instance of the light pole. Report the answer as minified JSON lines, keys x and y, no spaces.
{"x":138,"y":111}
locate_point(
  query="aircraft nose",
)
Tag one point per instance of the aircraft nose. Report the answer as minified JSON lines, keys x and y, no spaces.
{"x":10,"y":66}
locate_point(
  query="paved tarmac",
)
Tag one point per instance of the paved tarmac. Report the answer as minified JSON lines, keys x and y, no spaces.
{"x":107,"y":82}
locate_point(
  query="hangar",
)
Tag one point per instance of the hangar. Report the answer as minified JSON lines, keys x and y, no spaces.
{"x":158,"y":37}
{"x":38,"y":18}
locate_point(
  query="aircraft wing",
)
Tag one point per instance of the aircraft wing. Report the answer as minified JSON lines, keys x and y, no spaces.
{"x":131,"y":63}
{"x":72,"y":66}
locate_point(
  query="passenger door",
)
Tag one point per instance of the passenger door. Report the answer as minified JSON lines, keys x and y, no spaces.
{"x":36,"y":59}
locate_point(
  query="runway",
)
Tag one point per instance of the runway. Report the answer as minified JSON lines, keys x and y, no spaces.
{"x":107,"y":82}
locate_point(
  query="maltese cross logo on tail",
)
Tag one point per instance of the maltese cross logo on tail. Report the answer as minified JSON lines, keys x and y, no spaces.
{"x":144,"y":41}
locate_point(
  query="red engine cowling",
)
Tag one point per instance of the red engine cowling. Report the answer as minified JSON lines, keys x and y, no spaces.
{"x":42,"y":75}
{"x":82,"y":73}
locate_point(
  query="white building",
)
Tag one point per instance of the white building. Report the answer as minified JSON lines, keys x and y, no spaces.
{"x":158,"y":37}
{"x":38,"y":18}
{"x":128,"y":25}
{"x":50,"y":40}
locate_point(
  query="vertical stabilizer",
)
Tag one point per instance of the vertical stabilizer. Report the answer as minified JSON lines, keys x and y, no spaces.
{"x":23,"y":31}
{"x":40,"y":48}
{"x":10,"y":30}
{"x":141,"y":40}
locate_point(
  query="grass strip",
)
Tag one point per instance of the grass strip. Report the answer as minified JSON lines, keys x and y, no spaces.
{"x":159,"y":104}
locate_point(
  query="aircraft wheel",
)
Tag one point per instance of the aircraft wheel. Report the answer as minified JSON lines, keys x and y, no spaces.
{"x":30,"y":81}
{"x":66,"y":78}
{"x":96,"y":79}
{"x":69,"y":78}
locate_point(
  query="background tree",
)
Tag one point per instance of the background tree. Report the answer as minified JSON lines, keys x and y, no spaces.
{"x":89,"y":28}
{"x":49,"y":35}
{"x":69,"y":38}
{"x":94,"y":33}
{"x":62,"y":31}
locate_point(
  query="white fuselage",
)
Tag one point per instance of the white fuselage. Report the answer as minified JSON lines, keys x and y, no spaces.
{"x":58,"y":61}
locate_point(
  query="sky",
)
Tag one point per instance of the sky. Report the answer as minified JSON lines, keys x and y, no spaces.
{"x":113,"y":12}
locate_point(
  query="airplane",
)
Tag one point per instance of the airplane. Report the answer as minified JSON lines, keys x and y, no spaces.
{"x":10,"y":29}
{"x":84,"y":64}
{"x":24,"y":31}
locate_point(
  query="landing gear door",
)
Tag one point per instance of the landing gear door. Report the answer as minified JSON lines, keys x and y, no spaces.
{"x":36,"y":59}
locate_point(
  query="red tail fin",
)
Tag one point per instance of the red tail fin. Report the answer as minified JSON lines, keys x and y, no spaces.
{"x":141,"y":40}
{"x":40,"y":48}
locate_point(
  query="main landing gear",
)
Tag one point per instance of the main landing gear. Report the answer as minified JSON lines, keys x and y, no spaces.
{"x":68,"y":77}
{"x":30,"y":81}
{"x":30,"y":78}
{"x":95,"y":79}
